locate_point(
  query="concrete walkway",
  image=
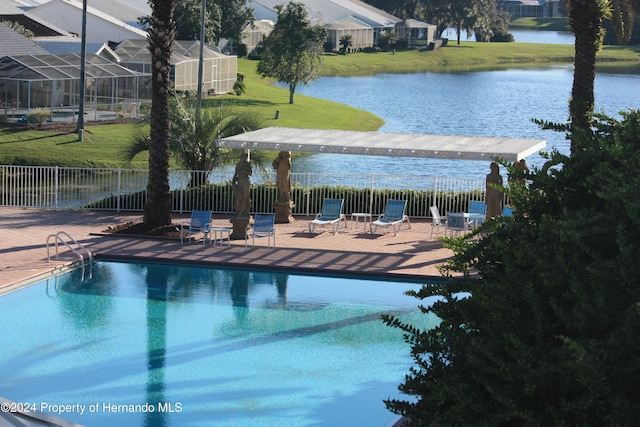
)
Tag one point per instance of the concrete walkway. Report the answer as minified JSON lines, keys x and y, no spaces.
{"x":354,"y":251}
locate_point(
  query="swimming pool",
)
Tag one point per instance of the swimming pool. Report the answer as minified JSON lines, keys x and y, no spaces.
{"x":168,"y":345}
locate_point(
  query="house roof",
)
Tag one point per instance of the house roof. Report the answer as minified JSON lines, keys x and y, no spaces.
{"x":16,"y":44}
{"x":348,"y":24}
{"x":127,"y":11}
{"x":414,"y":23}
{"x":72,"y":8}
{"x":329,"y":11}
{"x":385,"y":144}
{"x":59,"y":67}
{"x":62,"y":45}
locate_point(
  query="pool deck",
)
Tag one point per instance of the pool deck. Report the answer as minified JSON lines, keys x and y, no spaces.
{"x":354,"y":251}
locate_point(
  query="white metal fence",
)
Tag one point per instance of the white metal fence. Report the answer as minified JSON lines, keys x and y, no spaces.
{"x":124,"y":190}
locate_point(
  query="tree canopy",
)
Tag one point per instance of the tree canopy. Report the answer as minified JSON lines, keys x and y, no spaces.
{"x":223,"y":19}
{"x":291,"y":53}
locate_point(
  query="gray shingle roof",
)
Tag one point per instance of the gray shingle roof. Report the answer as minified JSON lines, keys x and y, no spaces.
{"x":12,"y":43}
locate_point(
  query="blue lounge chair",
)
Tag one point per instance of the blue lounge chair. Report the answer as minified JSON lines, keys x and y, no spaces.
{"x":263,"y":226}
{"x":478,"y":210}
{"x":331,"y":215}
{"x":200,"y":223}
{"x":394,"y":215}
{"x":507,"y":211}
{"x":456,"y":222}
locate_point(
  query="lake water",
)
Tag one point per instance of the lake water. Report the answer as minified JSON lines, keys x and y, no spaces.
{"x":498,"y":103}
{"x":523,"y":36}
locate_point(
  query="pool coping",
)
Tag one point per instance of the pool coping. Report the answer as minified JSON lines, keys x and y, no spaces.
{"x":412,"y":255}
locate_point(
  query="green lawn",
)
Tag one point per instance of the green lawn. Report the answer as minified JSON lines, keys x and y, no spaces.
{"x":103,"y":144}
{"x":546,"y":24}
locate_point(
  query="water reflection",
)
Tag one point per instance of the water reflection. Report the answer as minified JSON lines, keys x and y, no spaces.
{"x":85,"y":313}
{"x":157,"y":284}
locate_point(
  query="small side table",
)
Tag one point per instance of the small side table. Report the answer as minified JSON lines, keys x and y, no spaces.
{"x":356,"y":216}
{"x":219,"y":235}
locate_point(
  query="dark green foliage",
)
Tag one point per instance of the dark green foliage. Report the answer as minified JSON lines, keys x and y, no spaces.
{"x":550,"y":335}
{"x":218,"y":198}
{"x":291,"y":53}
{"x":242,"y":51}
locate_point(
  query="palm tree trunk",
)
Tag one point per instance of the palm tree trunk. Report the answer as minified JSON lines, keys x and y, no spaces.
{"x":157,"y":209}
{"x":585,"y":18}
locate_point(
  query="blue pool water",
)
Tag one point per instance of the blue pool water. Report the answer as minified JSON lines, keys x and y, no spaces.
{"x":162,"y":345}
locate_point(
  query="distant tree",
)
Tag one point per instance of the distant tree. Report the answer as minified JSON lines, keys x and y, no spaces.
{"x":458,"y":14}
{"x":188,"y":17}
{"x":386,"y":39}
{"x":161,"y":34}
{"x":235,"y":15}
{"x":291,"y":53}
{"x":491,"y":22}
{"x":346,"y":41}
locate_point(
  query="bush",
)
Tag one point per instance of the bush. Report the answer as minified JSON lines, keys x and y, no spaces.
{"x":242,"y":50}
{"x":239,"y":87}
{"x":38,"y":116}
{"x":548,"y":332}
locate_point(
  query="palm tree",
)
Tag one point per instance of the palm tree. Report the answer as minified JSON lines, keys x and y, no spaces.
{"x":585,"y":18}
{"x":192,"y":138}
{"x":346,"y":41}
{"x":623,"y":14}
{"x":157,"y":209}
{"x":386,"y":39}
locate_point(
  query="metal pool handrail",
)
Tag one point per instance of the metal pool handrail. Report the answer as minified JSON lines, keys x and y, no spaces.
{"x":72,"y":249}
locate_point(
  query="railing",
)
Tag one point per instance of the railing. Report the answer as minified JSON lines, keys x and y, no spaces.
{"x":124,"y":190}
{"x":77,"y":250}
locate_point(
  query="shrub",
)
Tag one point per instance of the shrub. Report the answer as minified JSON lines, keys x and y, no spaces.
{"x":547,"y":333}
{"x":239,"y":87}
{"x":242,"y":50}
{"x":38,"y":116}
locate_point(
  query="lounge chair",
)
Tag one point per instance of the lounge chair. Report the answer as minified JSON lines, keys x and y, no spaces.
{"x":331,"y":215}
{"x":479,"y":210}
{"x":507,"y":211}
{"x":394,"y":215}
{"x":438,"y":221}
{"x":456,"y":222}
{"x":263,"y":226}
{"x":200,"y":223}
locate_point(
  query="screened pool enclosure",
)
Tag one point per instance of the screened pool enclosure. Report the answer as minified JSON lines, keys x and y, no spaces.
{"x":52,"y":82}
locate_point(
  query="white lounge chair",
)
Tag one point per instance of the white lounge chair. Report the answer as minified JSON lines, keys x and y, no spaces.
{"x":331,"y":215}
{"x":394,"y":215}
{"x":438,"y":221}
